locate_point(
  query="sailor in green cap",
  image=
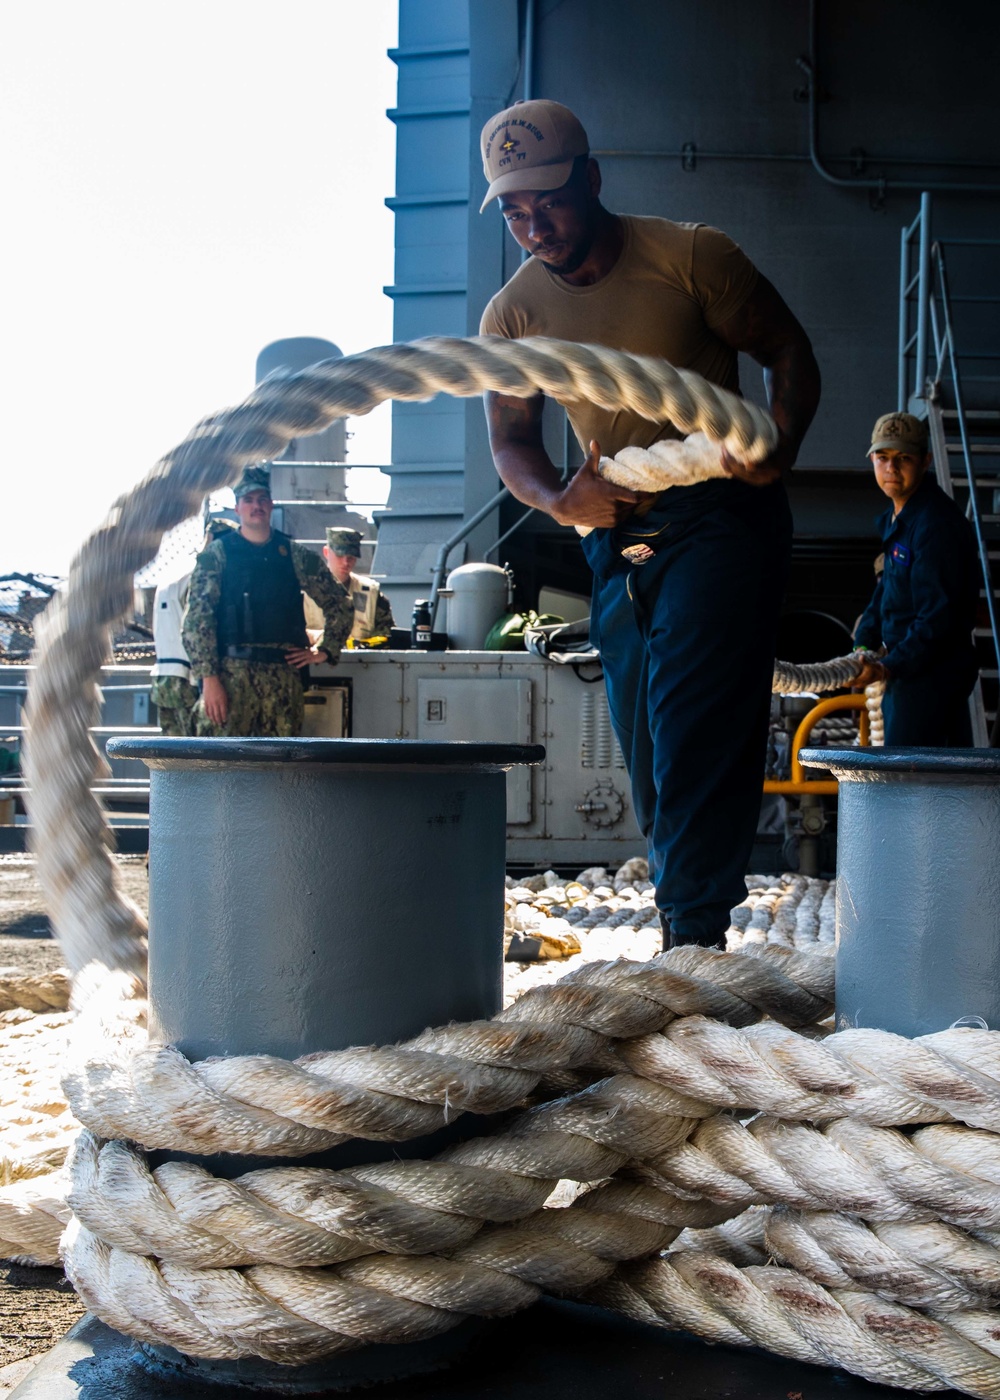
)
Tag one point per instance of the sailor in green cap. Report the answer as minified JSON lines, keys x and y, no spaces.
{"x":918,"y":625}
{"x":364,"y":610}
{"x":245,"y":629}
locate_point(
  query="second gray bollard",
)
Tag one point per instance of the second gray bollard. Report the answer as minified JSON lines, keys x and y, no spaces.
{"x":918,"y":887}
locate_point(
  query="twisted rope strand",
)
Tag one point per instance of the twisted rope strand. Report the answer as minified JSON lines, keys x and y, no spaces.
{"x":795,"y":679}
{"x":785,"y":1312}
{"x":33,"y":1214}
{"x":868,"y":1074}
{"x":35,"y":991}
{"x":921,"y":1264}
{"x":940,"y":1172}
{"x":265,"y":1106}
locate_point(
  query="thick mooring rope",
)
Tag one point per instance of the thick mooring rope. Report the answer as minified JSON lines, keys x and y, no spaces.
{"x":93,"y":919}
{"x":651,"y":1115}
{"x":650,"y":1059}
{"x":34,"y":1048}
{"x":33,"y":991}
{"x":266,"y":1106}
{"x":838,"y":674}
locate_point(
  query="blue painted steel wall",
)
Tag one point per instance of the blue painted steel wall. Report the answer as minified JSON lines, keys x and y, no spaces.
{"x":914,"y":81}
{"x":426,"y":499}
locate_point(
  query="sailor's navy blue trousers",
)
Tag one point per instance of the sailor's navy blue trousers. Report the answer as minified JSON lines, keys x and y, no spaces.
{"x":930,"y":711}
{"x":687,"y":641}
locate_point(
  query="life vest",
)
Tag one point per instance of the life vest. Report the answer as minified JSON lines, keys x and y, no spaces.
{"x":169,"y":603}
{"x":364,"y":593}
{"x":260,"y":603}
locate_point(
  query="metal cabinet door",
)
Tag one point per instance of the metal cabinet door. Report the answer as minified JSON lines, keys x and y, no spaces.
{"x":486,"y":709}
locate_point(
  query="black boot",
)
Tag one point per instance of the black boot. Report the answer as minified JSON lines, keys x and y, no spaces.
{"x":678,"y":940}
{"x":673,"y":940}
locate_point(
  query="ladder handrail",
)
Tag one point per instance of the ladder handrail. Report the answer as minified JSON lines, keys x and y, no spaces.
{"x":917,"y":287}
{"x":464,"y":530}
{"x":948,"y":344}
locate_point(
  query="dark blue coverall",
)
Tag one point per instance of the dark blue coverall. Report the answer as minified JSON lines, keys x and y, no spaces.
{"x":687,"y":641}
{"x":923,"y":611}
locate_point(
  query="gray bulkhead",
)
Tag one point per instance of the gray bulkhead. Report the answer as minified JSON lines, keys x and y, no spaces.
{"x":697,"y":112}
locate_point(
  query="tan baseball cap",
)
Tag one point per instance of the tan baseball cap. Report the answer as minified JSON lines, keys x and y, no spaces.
{"x":900,"y":432}
{"x":530,"y":146}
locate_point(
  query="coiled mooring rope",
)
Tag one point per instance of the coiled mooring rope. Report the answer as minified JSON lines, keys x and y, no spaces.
{"x":289,"y":1267}
{"x":34,"y":991}
{"x":263,"y":1105}
{"x":791,"y":912}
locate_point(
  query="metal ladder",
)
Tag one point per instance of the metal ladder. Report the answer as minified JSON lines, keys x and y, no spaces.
{"x":953,"y":380}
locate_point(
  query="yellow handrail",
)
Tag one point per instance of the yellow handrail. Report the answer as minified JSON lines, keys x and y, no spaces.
{"x":820,"y":787}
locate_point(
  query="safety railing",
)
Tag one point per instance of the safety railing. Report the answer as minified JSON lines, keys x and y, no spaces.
{"x":130,"y":793}
{"x":798,"y":784}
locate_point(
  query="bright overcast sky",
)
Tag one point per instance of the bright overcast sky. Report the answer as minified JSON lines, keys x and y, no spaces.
{"x":183,"y":182}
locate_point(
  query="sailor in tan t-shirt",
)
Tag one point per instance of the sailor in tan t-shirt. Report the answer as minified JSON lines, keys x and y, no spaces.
{"x":671,"y":285}
{"x":687,"y":635}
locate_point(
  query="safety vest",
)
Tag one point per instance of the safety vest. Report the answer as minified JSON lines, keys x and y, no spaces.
{"x":169,"y":603}
{"x":364,"y":595}
{"x":260,"y":602}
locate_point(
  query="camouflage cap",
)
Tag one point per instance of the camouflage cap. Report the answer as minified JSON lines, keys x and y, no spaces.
{"x":899,"y":432}
{"x":344,"y":542}
{"x":253,"y":479}
{"x":216,"y":529}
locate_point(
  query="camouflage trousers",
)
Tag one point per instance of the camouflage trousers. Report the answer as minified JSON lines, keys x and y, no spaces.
{"x":265,"y":701}
{"x":175,"y":699}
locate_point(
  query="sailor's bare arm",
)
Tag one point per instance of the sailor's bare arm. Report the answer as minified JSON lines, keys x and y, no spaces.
{"x":765,"y":328}
{"x":527,"y":470}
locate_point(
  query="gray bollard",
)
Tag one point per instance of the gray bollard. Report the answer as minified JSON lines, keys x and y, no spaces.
{"x":918,"y":887}
{"x":312,"y":894}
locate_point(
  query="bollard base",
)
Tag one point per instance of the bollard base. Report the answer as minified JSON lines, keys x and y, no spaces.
{"x":552,"y":1351}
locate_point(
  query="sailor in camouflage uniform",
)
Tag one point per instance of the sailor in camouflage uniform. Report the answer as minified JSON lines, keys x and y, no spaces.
{"x":175,"y":699}
{"x":363,"y":610}
{"x":245,"y":625}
